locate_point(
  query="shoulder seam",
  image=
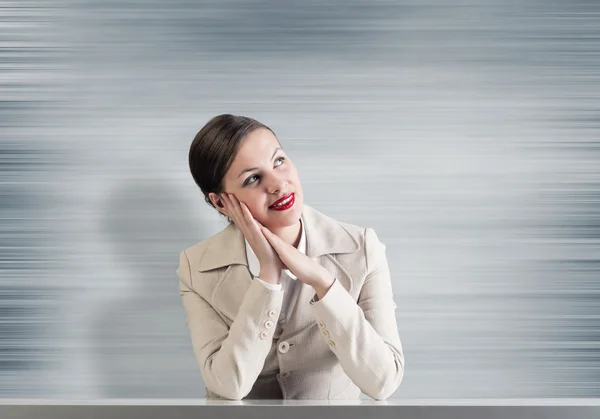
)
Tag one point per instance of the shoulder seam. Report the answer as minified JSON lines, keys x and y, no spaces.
{"x":187,"y":258}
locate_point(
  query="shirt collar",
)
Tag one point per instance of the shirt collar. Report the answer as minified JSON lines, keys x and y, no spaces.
{"x":254,"y":265}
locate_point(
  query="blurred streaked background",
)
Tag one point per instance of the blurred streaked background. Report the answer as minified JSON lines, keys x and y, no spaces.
{"x":466,"y":133}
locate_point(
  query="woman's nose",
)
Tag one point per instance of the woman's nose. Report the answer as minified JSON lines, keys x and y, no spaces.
{"x":275,"y":185}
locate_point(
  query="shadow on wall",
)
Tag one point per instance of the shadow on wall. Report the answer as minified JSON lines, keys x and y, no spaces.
{"x":140,"y":342}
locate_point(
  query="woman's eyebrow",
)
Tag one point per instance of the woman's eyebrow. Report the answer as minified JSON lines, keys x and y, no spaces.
{"x":256,"y":168}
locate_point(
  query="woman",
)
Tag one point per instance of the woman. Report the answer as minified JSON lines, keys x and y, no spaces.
{"x":285,"y":302}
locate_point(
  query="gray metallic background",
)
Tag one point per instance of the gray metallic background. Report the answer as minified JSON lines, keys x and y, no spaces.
{"x":467,"y":133}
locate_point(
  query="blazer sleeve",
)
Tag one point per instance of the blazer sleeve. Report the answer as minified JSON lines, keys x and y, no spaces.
{"x":364,"y":335}
{"x":230,"y":358}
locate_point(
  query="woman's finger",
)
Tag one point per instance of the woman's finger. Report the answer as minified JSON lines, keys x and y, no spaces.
{"x":253,"y":224}
{"x":235,"y":212}
{"x":259,"y":224}
{"x":274,"y":240}
{"x":225,"y":202}
{"x":242,"y":217}
{"x":284,"y":250}
{"x":266,"y":232}
{"x":246,"y":212}
{"x":235,"y":205}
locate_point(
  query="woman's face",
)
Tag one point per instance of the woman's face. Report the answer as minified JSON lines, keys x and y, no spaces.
{"x":260,"y":174}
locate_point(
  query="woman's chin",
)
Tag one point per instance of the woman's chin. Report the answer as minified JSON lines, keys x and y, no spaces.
{"x":281,"y":219}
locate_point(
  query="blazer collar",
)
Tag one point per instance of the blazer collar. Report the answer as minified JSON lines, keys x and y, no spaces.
{"x":324,"y":235}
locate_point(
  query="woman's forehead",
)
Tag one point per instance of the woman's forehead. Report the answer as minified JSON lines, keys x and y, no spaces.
{"x":256,"y":147}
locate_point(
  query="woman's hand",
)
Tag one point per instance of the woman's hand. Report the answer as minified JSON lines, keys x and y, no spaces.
{"x":305,"y":269}
{"x":270,"y":263}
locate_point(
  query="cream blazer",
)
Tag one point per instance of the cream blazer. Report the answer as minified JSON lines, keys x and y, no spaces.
{"x":332,"y":348}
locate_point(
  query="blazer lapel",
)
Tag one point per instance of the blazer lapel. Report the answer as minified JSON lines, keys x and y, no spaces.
{"x":325,"y":235}
{"x":226,"y":248}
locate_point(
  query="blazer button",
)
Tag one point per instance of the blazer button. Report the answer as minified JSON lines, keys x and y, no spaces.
{"x":264,"y":335}
{"x":284,"y":347}
{"x":325,"y":332}
{"x":286,"y":374}
{"x":268,"y":324}
{"x":321,"y":325}
{"x":332,"y":344}
{"x":272,"y":313}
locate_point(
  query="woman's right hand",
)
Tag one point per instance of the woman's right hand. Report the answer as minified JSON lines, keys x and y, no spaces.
{"x":270,"y":263}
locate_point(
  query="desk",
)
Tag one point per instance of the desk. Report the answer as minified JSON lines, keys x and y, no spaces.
{"x":301,"y":409}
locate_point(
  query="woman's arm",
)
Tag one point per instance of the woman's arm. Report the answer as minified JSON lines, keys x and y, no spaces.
{"x":364,"y":336}
{"x":230,"y":358}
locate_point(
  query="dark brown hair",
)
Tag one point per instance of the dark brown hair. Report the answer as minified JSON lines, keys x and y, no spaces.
{"x":214,"y":149}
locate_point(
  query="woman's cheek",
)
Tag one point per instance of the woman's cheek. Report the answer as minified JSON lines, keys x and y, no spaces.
{"x":258,"y":213}
{"x":255,"y":213}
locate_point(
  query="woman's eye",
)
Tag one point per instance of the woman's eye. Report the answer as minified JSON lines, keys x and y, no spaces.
{"x":248,"y":181}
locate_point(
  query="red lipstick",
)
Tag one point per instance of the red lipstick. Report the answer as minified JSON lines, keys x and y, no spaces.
{"x":286,"y":206}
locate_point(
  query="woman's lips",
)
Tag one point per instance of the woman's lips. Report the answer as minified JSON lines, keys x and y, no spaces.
{"x":289,"y":205}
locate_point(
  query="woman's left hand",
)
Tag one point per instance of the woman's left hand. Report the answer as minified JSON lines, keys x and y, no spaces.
{"x":306,"y":270}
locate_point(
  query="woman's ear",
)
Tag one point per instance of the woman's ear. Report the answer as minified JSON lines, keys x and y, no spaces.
{"x":217,"y":202}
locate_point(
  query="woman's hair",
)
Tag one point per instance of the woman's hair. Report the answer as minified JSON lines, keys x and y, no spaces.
{"x":214,"y":149}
